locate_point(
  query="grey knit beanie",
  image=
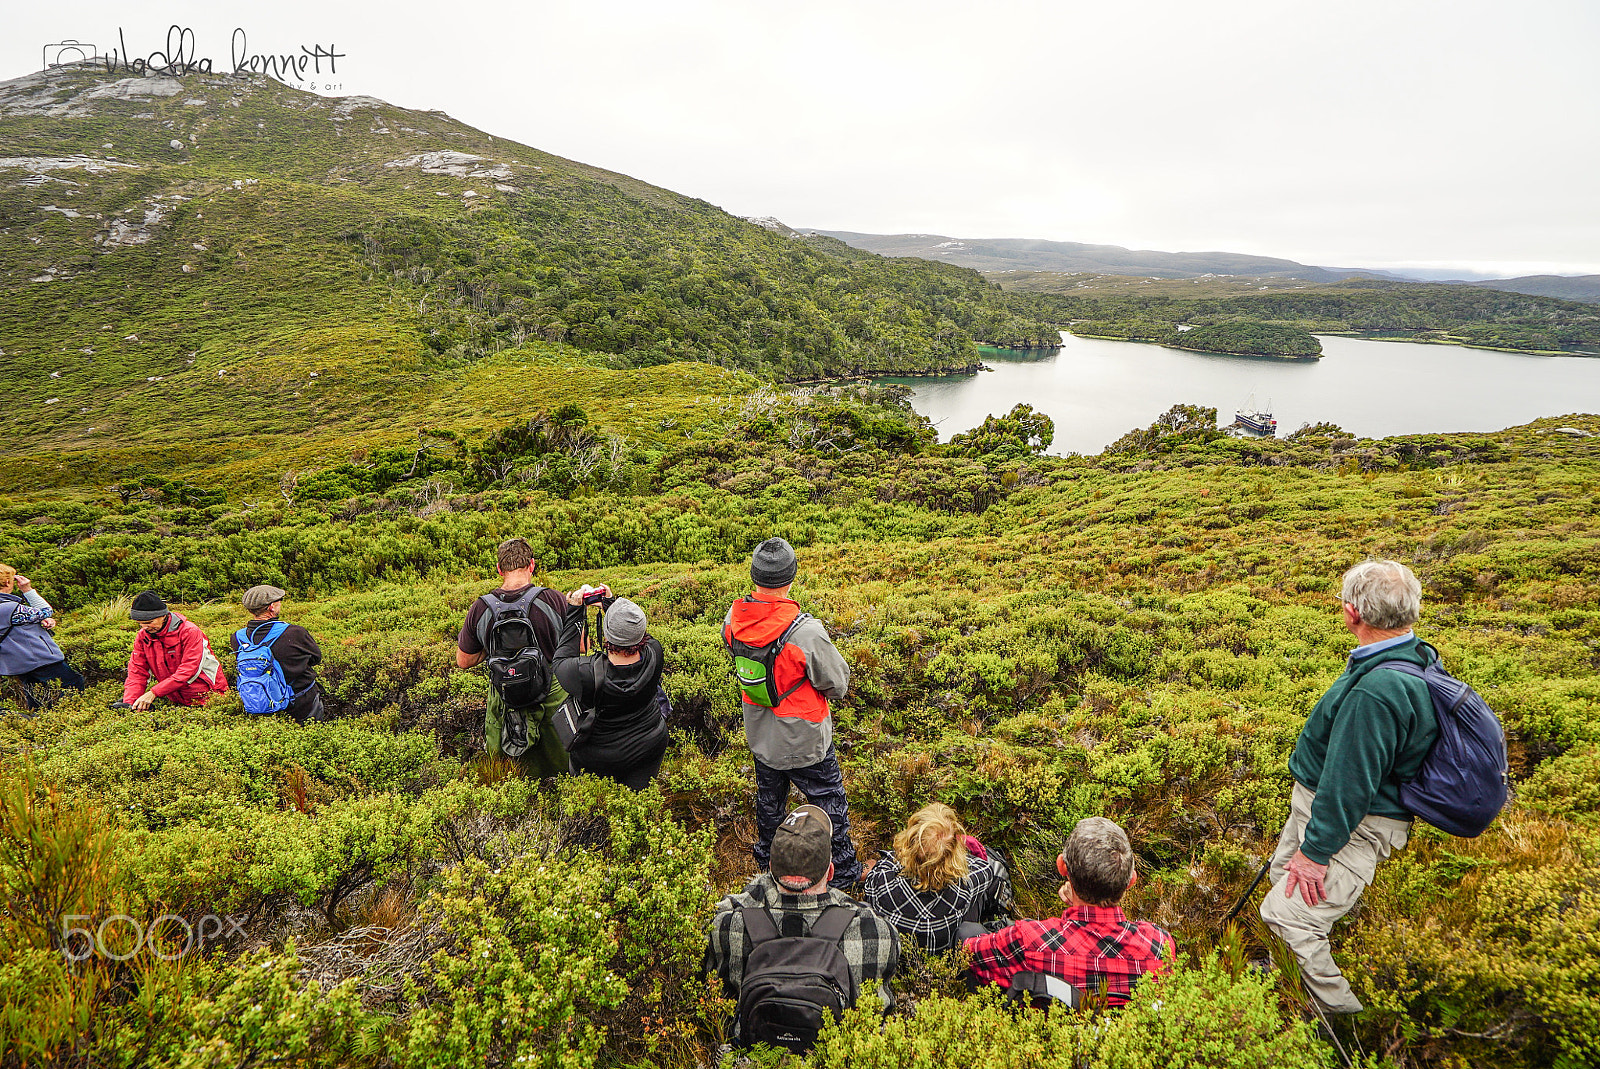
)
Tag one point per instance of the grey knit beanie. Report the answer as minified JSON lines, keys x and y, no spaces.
{"x":625,"y":624}
{"x":773,"y":564}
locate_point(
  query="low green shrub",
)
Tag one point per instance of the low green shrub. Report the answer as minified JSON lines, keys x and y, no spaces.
{"x":1198,"y":1017}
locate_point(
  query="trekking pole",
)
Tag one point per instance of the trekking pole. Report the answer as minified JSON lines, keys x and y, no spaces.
{"x":1248,"y":891}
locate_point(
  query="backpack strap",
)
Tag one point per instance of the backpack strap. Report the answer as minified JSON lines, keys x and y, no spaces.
{"x":549,"y":613}
{"x":496,"y":607}
{"x":1403,"y":666}
{"x":783,"y":640}
{"x":759,"y":927}
{"x":274,"y":633}
{"x":832,"y":924}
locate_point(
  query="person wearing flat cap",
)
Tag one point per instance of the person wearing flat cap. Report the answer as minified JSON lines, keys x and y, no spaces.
{"x":171,"y":658}
{"x":296,"y":652}
{"x":787,"y":720}
{"x":621,"y":683}
{"x":795,"y":893}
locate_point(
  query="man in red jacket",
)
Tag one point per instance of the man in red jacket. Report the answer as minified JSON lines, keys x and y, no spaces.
{"x":171,"y":659}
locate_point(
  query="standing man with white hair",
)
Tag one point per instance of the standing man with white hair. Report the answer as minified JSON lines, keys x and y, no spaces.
{"x":1368,"y":734}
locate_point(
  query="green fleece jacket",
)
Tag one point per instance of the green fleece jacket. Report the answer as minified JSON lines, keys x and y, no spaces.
{"x":1367,"y":735}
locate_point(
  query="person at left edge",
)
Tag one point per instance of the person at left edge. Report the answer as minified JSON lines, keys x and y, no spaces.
{"x":27,"y":650}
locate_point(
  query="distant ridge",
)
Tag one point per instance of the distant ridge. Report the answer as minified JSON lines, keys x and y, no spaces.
{"x":1023,"y":254}
{"x":1584,"y":288}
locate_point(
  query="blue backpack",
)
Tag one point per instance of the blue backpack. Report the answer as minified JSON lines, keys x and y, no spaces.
{"x":1463,"y":782}
{"x":260,"y":676}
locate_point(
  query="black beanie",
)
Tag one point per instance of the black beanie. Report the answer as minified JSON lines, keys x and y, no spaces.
{"x":147,"y":605}
{"x":772,"y":565}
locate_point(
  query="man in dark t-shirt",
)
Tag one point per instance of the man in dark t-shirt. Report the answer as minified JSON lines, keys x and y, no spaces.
{"x":515,"y":564}
{"x":296,"y":652}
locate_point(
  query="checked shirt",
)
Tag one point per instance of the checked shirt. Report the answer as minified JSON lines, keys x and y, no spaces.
{"x":931,"y":918}
{"x":870,"y":945}
{"x":1086,"y":946}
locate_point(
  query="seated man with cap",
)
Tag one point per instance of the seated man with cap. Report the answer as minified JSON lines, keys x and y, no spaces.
{"x":296,"y":652}
{"x":794,"y":893}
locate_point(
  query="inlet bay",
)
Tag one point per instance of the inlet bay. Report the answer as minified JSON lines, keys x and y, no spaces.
{"x":1096,"y":390}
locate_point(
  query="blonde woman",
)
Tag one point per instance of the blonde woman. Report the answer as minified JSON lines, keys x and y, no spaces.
{"x":937,"y":880}
{"x":26,"y":649}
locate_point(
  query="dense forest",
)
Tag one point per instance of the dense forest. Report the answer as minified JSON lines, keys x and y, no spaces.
{"x":325,"y":367}
{"x":1242,"y":337}
{"x":1410,"y":311}
{"x":1251,"y":338}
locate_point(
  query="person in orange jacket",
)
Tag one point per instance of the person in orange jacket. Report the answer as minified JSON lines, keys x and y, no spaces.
{"x":171,"y":659}
{"x":791,"y":738}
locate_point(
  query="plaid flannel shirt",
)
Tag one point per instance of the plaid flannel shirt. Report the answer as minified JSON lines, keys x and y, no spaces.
{"x":1085,"y":946}
{"x":870,"y":945}
{"x":931,"y":918}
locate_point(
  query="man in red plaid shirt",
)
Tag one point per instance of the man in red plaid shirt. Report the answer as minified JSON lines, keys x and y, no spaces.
{"x":1092,"y":944}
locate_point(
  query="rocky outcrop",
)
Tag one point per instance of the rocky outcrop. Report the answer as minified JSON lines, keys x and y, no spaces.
{"x":457,"y":164}
{"x":41,"y":165}
{"x":45,"y":94}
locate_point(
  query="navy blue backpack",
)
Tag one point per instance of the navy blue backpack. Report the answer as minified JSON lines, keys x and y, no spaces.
{"x":1463,"y":782}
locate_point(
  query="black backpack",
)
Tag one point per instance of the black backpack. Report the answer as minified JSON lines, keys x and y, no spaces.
{"x":792,"y":984}
{"x":1463,"y":782}
{"x":755,"y":667}
{"x":518,"y":669}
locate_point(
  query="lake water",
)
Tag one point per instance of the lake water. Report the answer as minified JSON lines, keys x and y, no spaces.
{"x":1098,"y":390}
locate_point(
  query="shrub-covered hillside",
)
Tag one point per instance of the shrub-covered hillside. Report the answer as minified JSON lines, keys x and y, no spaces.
{"x":258,"y":260}
{"x":1032,"y":639}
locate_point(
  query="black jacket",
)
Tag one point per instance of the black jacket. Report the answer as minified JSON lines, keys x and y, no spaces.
{"x":628,"y":723}
{"x":298,"y":654}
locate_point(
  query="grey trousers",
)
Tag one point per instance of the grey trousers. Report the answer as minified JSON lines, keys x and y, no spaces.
{"x":1305,"y":928}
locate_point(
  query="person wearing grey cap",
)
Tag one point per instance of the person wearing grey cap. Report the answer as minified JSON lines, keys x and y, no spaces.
{"x":795,"y":896}
{"x":292,"y":646}
{"x":787,"y":670}
{"x":621,"y":683}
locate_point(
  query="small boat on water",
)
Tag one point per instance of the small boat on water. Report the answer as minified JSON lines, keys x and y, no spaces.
{"x":1258,"y":420}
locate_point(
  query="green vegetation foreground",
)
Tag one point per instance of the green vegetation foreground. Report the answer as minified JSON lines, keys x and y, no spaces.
{"x":1032,"y":640}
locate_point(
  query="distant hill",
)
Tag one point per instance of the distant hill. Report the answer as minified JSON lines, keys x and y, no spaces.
{"x":992,"y":255}
{"x":1022,"y":254}
{"x":1584,"y":288}
{"x":229,"y":260}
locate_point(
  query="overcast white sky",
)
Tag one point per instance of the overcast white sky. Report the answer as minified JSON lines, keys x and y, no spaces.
{"x":1454,"y":133}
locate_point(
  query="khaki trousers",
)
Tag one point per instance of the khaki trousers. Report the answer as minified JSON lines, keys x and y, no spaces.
{"x":1305,"y":928}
